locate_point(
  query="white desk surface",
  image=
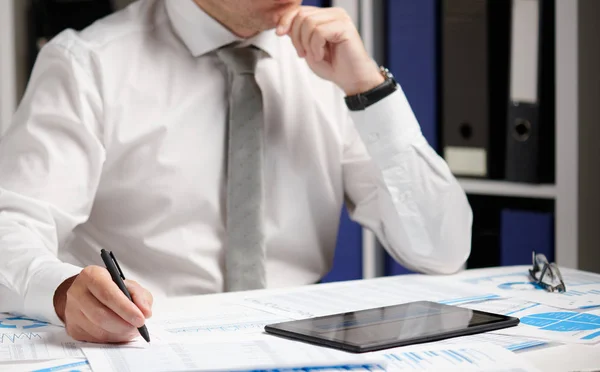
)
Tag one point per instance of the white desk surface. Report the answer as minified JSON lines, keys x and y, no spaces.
{"x":559,"y":358}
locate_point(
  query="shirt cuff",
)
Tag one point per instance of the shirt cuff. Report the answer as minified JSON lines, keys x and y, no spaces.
{"x":39,"y":300}
{"x":388,"y":125}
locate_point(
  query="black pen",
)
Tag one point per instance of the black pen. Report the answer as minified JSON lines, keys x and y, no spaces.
{"x":116,"y":273}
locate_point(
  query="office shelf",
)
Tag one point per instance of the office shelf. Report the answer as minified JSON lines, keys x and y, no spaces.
{"x":505,"y":188}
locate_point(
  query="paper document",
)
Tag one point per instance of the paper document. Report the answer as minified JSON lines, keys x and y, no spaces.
{"x":66,"y":366}
{"x":221,"y":319}
{"x":504,"y":306}
{"x":545,"y":322}
{"x":508,"y":342}
{"x":583,"y":289}
{"x":357,"y":295}
{"x":460,"y":357}
{"x":267,"y":352}
{"x":37,"y":346}
{"x":57,"y":365}
{"x":560,"y":325}
{"x":365,"y":368}
{"x":24,"y":339}
{"x":10,"y":323}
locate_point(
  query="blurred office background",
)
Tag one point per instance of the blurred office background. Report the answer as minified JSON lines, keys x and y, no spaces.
{"x":507,"y":91}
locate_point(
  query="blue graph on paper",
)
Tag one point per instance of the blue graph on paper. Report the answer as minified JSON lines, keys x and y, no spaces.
{"x":15,"y":337}
{"x":583,"y":289}
{"x":345,"y":368}
{"x":571,"y":280}
{"x":20,"y":322}
{"x":438,"y":359}
{"x":70,"y":367}
{"x":565,"y":321}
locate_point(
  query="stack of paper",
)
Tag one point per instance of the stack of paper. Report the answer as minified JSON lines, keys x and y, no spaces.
{"x":225,"y":319}
{"x":583,"y":289}
{"x":230,"y":336}
{"x":463,"y":357}
{"x":274,"y":354}
{"x":53,"y":365}
{"x":508,"y":342}
{"x":257,"y":354}
{"x":545,"y":322}
{"x":340,"y":297}
{"x":24,"y":339}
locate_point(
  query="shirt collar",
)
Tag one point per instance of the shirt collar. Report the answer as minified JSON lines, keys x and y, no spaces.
{"x":202,"y":34}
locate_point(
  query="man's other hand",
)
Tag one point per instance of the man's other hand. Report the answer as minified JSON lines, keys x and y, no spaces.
{"x":329,"y":41}
{"x":94,"y":309}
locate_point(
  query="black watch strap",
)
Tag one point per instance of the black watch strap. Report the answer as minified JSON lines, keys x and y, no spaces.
{"x":361,"y":101}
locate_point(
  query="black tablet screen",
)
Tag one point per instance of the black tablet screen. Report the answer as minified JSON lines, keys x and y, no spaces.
{"x":411,"y":321}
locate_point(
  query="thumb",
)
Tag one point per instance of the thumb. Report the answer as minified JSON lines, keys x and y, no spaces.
{"x":141,"y":297}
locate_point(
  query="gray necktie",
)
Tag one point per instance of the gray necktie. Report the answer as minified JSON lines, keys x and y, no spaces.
{"x":244,"y":252}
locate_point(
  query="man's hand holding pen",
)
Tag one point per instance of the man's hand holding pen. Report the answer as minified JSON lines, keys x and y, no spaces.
{"x":94,"y":309}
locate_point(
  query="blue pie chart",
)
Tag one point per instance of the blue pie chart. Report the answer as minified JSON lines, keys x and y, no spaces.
{"x":565,"y":321}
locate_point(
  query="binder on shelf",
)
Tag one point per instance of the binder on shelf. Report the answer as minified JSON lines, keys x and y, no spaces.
{"x":530,"y":124}
{"x":47,"y":18}
{"x":412,"y":56}
{"x":485,"y":233}
{"x":474,"y":74}
{"x":523,"y":232}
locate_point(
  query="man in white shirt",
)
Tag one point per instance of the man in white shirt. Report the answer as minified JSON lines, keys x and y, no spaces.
{"x":121,"y":142}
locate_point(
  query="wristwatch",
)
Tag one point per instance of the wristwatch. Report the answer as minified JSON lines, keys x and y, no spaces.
{"x":361,"y":101}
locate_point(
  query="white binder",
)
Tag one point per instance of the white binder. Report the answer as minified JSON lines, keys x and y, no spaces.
{"x":524,"y":53}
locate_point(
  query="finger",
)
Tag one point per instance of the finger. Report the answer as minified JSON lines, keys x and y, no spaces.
{"x":285,"y":22}
{"x":141,"y":297}
{"x":103,"y":335}
{"x":334,"y":32}
{"x":310,"y":24}
{"x":297,"y":23}
{"x":106,"y":291}
{"x":318,"y":46}
{"x":100,"y":315}
{"x":294,"y":33}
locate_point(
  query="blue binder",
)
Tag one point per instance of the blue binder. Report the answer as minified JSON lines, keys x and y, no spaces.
{"x":523,"y":232}
{"x":347,"y":262}
{"x":412,"y":56}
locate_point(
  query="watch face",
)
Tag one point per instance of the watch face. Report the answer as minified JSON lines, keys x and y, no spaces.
{"x":386,"y":73}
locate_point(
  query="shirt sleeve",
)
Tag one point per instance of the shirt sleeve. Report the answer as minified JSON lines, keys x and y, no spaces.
{"x":50,"y":163}
{"x":398,"y":187}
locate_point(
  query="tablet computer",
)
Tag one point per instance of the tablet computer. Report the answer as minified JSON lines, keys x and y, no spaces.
{"x":391,"y":326}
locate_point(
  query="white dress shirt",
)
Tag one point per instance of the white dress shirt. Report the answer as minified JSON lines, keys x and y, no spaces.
{"x":119,"y":143}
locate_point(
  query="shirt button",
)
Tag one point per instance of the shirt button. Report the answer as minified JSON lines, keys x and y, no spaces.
{"x":373,"y":137}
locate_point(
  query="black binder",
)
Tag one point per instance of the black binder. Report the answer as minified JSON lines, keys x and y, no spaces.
{"x":47,"y":18}
{"x":530,"y":127}
{"x":474,"y":85}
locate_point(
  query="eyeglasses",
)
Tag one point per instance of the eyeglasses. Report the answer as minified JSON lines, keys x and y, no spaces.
{"x":546,"y":274}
